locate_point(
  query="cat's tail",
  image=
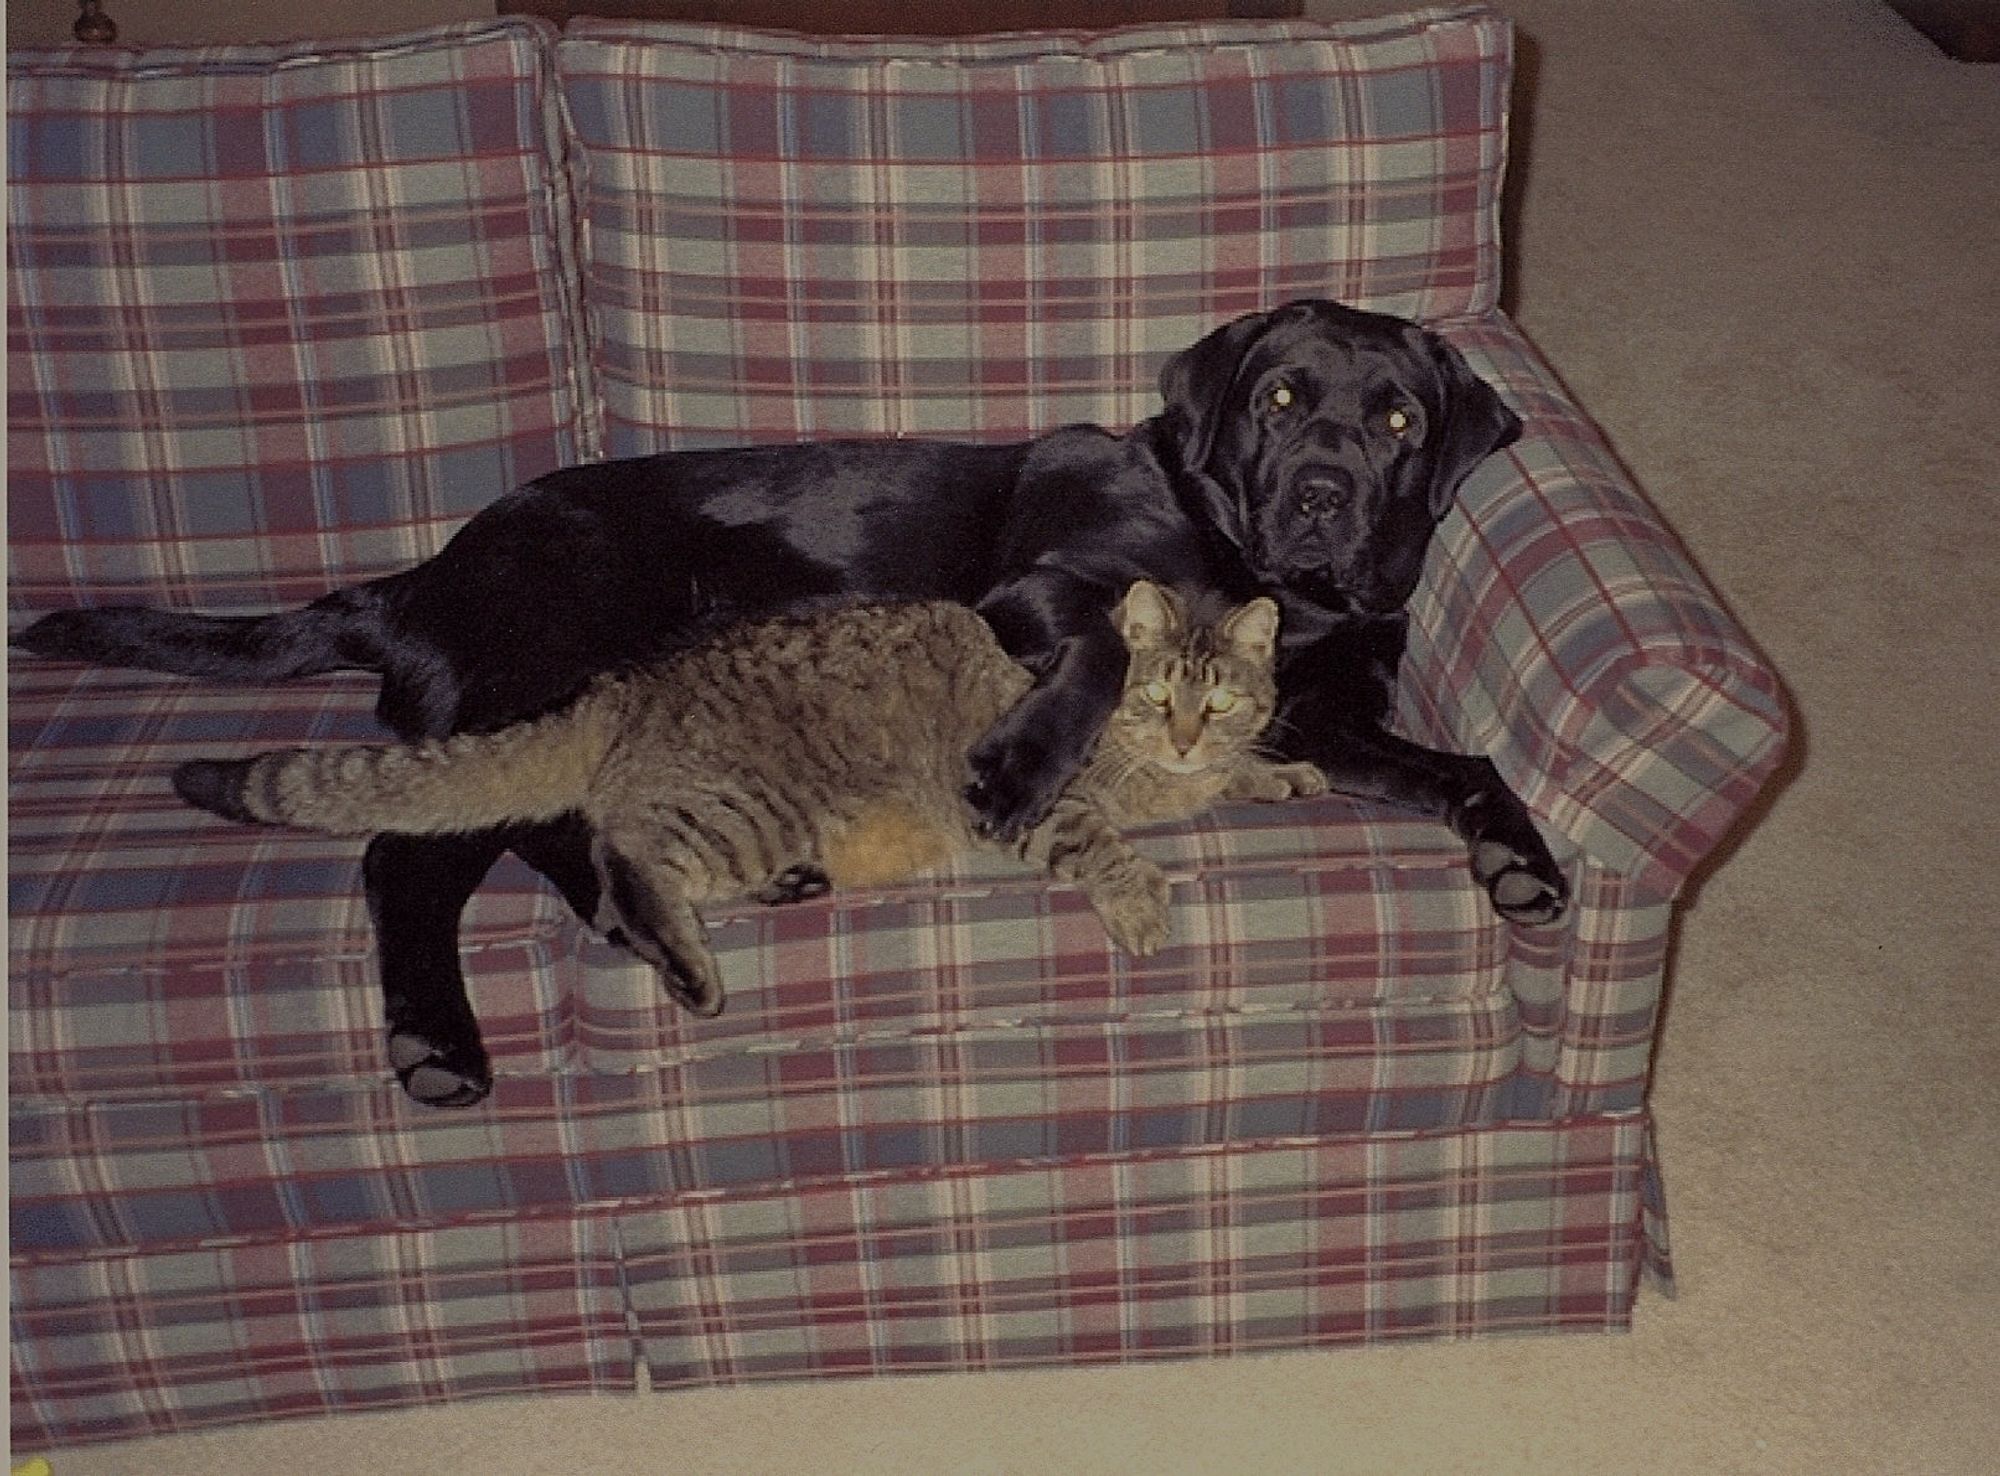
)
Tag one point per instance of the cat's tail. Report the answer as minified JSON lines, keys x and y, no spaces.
{"x":531,"y":771}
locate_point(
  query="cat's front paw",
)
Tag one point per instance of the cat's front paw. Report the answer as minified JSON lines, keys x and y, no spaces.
{"x":1133,"y":908}
{"x":1271,"y":783}
{"x":1298,"y":781}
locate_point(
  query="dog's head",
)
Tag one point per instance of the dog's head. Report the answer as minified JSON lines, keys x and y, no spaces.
{"x":1330,"y":442}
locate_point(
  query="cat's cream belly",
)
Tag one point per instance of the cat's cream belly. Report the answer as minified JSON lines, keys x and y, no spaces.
{"x":888,"y":841}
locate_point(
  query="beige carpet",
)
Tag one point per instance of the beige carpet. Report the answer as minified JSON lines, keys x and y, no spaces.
{"x":1761,"y":240}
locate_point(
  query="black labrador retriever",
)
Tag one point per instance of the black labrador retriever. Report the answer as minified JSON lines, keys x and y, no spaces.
{"x":1308,"y":452}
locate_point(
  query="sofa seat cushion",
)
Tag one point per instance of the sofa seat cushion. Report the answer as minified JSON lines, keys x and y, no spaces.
{"x":279,"y":316}
{"x":194,"y":1037}
{"x":153,"y":947}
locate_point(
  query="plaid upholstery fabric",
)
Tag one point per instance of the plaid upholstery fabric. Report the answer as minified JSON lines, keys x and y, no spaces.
{"x":156,"y":1341}
{"x":940,"y":1125}
{"x":1334,"y":970}
{"x":989,"y":239}
{"x":1077,"y":1260}
{"x":1148,"y":1256}
{"x":278,"y":317}
{"x":153,"y":947}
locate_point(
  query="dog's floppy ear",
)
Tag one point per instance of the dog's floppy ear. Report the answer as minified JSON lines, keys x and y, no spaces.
{"x":1195,"y":384}
{"x":1477,"y":423}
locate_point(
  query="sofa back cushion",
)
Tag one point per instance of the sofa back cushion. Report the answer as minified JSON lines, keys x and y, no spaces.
{"x":790,"y":236}
{"x":278,"y":317}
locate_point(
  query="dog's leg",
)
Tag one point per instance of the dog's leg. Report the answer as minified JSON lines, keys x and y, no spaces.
{"x":1507,"y":854}
{"x":560,"y":851}
{"x":417,"y":887}
{"x":1060,"y":629}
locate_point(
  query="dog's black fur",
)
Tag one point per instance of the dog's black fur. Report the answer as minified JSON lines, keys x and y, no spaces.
{"x":1308,"y":451}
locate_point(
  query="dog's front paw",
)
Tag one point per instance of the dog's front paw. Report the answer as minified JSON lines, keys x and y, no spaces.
{"x":1509,"y":858}
{"x":1526,"y":888}
{"x":1014,"y":783}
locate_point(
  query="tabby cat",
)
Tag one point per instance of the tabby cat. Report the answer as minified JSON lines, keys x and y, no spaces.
{"x":793,"y":754}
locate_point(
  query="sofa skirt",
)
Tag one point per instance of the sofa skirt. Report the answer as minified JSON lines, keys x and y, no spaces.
{"x":1097,"y":1259}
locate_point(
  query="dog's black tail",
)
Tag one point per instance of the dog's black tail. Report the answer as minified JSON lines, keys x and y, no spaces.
{"x":335,"y":633}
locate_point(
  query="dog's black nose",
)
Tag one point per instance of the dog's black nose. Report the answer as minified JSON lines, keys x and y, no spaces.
{"x":1323,"y":491}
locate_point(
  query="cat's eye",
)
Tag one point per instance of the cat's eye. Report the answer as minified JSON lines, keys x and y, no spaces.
{"x":1398,"y":421}
{"x":1221,"y":700}
{"x":1281,"y":396}
{"x":1158,"y":693}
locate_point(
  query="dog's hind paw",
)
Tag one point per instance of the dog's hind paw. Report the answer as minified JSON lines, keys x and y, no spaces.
{"x":439,"y":1076}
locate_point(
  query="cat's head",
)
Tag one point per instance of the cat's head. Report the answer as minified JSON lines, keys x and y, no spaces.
{"x":1201,"y":684}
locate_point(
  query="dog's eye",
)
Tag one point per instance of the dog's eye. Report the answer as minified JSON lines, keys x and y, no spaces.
{"x":1398,"y":421}
{"x":1221,"y":700}
{"x":1281,"y":397}
{"x":1158,"y":693}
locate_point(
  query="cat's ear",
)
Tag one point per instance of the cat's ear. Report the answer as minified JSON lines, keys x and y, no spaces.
{"x":1252,"y":629}
{"x":1146,"y":614}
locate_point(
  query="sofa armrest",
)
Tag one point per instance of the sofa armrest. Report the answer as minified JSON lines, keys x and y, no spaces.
{"x":1562,"y":630}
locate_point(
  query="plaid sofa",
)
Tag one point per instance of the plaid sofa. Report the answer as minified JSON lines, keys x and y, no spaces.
{"x":279,"y":318}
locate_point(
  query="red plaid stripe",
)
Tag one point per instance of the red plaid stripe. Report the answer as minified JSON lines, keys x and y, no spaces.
{"x":278,"y":317}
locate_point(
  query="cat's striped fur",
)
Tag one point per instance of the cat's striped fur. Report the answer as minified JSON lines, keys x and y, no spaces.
{"x":828,"y":747}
